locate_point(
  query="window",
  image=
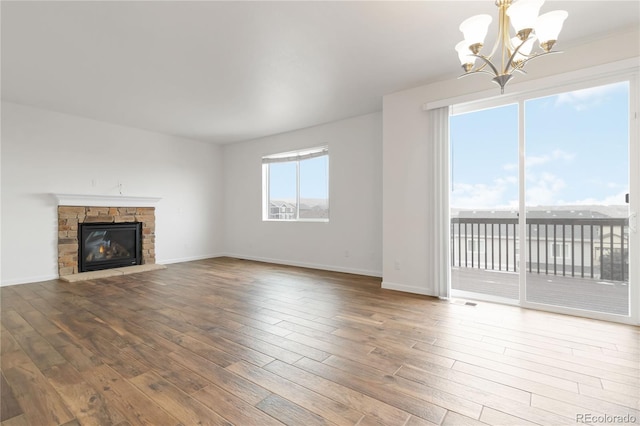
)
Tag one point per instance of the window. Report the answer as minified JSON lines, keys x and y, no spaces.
{"x":296,"y":185}
{"x":560,"y":251}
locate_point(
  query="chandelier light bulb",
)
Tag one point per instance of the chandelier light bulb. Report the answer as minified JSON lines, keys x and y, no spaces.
{"x":475,"y":30}
{"x":464,"y":54}
{"x":548,"y":27}
{"x":523,"y":15}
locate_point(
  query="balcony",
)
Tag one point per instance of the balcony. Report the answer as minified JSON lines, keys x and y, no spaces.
{"x":575,"y":262}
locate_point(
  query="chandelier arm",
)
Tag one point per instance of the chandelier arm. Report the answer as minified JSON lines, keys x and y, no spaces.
{"x":481,"y":68}
{"x":478,"y":71}
{"x":495,"y":46}
{"x":488,"y":62}
{"x":512,"y":57}
{"x":537,"y":55}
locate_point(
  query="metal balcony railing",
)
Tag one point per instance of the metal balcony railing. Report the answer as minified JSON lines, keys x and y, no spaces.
{"x":594,"y":248}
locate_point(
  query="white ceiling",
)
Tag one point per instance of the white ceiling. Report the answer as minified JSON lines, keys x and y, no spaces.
{"x":230,"y":71}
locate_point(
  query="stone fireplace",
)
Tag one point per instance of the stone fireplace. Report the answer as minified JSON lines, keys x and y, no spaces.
{"x":71,"y":216}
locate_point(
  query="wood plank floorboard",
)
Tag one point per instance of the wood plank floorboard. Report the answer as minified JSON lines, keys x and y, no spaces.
{"x":234,"y":342}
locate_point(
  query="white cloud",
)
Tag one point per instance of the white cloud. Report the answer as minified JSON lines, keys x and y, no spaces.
{"x":543,"y":189}
{"x":533,"y":161}
{"x":559,"y":154}
{"x":556,"y":155}
{"x":584,"y":99}
{"x":611,"y":200}
{"x":482,"y":196}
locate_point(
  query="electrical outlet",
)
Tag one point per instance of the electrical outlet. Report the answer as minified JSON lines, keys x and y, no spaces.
{"x":397,"y":265}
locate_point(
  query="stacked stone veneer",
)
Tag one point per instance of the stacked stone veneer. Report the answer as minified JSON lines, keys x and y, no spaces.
{"x":70,"y":216}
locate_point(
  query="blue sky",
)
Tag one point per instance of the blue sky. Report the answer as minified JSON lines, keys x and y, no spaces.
{"x":313,"y":179}
{"x":576,"y":151}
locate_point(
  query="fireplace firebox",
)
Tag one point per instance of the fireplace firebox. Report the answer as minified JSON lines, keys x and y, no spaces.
{"x":109,"y":245}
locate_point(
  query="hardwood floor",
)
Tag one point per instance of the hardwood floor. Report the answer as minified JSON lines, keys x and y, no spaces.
{"x":226,"y":341}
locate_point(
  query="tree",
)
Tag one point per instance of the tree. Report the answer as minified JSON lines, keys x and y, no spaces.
{"x":616,"y":270}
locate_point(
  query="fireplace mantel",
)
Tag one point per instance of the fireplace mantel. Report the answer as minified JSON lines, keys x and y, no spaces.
{"x":105,"y":200}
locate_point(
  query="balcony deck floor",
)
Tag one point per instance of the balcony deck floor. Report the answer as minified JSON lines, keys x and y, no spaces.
{"x":573,"y":292}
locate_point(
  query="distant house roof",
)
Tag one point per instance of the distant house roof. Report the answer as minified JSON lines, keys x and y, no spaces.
{"x":537,"y":214}
{"x":539,"y":230}
{"x":280,"y":204}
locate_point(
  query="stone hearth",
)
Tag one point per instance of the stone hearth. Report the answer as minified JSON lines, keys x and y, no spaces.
{"x":70,"y":216}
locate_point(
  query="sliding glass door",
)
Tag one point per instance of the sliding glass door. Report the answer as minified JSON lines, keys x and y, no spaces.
{"x":577,"y":186}
{"x":540,"y":201}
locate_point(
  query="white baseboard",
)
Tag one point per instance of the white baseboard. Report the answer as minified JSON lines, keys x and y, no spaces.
{"x":29,"y":280}
{"x":406,"y":288}
{"x":188,"y":259}
{"x":310,"y":265}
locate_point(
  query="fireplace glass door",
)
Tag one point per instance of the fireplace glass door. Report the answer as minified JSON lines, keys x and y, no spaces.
{"x":109,"y":245}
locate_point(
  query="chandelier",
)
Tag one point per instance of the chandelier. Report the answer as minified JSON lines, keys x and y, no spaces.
{"x":509,"y":53}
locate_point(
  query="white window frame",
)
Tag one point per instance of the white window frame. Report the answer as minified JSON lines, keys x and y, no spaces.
{"x":476,"y":246}
{"x":291,"y":157}
{"x":556,"y":250}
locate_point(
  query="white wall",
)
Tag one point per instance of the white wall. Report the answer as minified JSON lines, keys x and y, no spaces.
{"x":45,"y":152}
{"x":408,"y":193}
{"x":355,"y":191}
